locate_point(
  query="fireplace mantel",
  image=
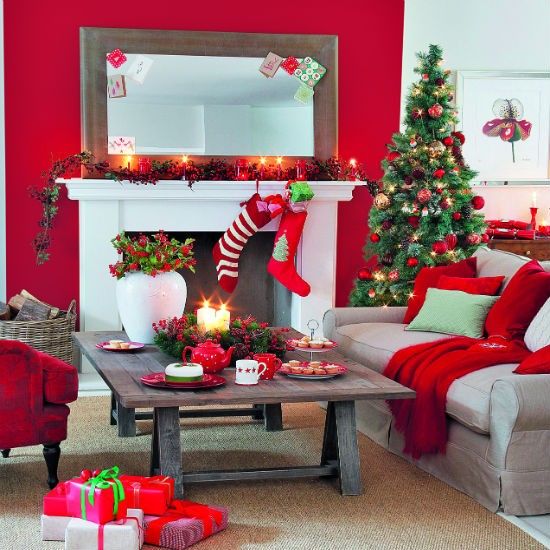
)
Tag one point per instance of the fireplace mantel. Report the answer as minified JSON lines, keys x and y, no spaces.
{"x":107,"y":207}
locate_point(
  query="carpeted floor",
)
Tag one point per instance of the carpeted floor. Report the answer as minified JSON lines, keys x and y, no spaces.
{"x":402,"y":508}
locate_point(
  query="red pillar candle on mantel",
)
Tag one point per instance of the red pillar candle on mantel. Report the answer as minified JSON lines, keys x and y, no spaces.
{"x":353,"y":169}
{"x":184,"y":161}
{"x":280,"y":168}
{"x":144,"y":165}
{"x":301,"y":170}
{"x":241,"y":170}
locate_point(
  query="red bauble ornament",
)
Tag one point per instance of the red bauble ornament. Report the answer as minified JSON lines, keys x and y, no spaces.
{"x":478,"y":202}
{"x":364,"y":274}
{"x":407,"y":180}
{"x":412,"y":262}
{"x":375,"y":238}
{"x":459,"y":136}
{"x":393,"y":155}
{"x":414,"y":221}
{"x":457,"y":216}
{"x":425,"y":77}
{"x":445,"y":204}
{"x":393,"y":275}
{"x":439,"y":190}
{"x":473,"y":239}
{"x":423,"y":196}
{"x":485,"y":238}
{"x":435,"y":111}
{"x":387,"y":224}
{"x":439,"y":173}
{"x":372,"y":293}
{"x":418,"y":173}
{"x":417,"y":113}
{"x":439,"y":247}
{"x":440,"y":82}
{"x":448,"y":141}
{"x":452,"y":240}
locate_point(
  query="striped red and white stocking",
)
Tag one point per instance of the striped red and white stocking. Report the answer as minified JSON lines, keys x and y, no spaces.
{"x":227,"y":250}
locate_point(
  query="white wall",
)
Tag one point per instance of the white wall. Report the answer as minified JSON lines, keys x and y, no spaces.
{"x":2,"y":166}
{"x":483,"y":35}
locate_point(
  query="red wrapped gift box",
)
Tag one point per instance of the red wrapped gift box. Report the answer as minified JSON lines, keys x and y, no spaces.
{"x":99,"y":499}
{"x":55,"y":502}
{"x":184,"y":524}
{"x":152,"y":494}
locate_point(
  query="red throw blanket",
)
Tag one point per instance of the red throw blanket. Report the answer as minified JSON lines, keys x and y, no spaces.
{"x":430,"y":369}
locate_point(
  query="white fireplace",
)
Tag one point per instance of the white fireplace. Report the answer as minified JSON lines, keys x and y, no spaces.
{"x":108,"y":207}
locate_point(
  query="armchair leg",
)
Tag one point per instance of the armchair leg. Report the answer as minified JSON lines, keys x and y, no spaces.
{"x":51,"y":455}
{"x":6,"y":453}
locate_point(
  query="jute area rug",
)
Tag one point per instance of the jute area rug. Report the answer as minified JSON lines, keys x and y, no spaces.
{"x":401,"y":508}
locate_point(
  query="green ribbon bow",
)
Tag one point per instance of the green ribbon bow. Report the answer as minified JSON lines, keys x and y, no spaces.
{"x":106,"y":479}
{"x":300,"y":191}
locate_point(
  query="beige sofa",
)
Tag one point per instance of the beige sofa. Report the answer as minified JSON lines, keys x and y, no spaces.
{"x":499,"y":422}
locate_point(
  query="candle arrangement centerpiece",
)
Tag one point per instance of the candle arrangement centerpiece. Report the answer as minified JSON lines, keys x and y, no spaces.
{"x":246,"y":335}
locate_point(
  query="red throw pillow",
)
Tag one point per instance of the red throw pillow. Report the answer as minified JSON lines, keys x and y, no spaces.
{"x":536,"y":363}
{"x":428,"y":277}
{"x":481,"y":285}
{"x":521,"y":300}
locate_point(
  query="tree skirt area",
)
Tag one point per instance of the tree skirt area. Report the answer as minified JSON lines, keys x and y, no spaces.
{"x":401,"y":508}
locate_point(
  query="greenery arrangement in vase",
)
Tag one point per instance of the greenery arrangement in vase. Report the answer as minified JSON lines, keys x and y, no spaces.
{"x":148,"y":285}
{"x":246,"y":335}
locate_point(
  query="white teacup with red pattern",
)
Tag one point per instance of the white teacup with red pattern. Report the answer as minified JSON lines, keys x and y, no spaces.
{"x":248,"y":371}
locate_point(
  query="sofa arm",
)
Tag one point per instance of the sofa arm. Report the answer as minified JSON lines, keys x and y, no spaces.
{"x":339,"y":316}
{"x":60,"y":380}
{"x":520,"y":421}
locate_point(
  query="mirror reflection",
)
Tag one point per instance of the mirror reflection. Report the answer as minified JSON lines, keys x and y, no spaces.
{"x":178,"y":104}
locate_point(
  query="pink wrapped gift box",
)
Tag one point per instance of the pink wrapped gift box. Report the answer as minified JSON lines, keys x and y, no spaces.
{"x":55,"y":502}
{"x":99,"y":499}
{"x":122,"y":534}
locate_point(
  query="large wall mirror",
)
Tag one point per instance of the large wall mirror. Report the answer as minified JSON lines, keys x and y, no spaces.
{"x":203,"y":95}
{"x":207,"y":105}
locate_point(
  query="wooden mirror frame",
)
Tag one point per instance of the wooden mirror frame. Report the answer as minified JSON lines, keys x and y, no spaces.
{"x":96,"y":43}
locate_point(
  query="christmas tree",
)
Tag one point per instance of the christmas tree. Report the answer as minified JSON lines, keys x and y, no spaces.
{"x":280,"y":251}
{"x":424,"y":213}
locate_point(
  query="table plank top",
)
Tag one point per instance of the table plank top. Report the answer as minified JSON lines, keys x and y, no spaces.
{"x":122,"y":373}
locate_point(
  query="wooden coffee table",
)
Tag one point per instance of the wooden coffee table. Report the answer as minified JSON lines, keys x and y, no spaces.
{"x":340,"y":454}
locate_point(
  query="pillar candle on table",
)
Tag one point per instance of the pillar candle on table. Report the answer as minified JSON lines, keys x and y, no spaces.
{"x":206,"y":316}
{"x":223,"y":318}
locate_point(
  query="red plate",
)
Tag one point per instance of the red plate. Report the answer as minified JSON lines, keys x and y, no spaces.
{"x":157,"y":380}
{"x":134,"y":346}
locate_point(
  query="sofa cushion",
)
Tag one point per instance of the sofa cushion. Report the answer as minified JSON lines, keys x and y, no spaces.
{"x":373,"y":344}
{"x":492,"y":263}
{"x":468,"y":398}
{"x":538,"y":332}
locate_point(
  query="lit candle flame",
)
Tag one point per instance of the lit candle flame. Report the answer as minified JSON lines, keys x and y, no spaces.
{"x":353,"y":163}
{"x":279,"y":160}
{"x":184,"y":159}
{"x":262,"y":160}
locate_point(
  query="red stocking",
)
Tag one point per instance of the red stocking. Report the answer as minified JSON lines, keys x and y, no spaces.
{"x":281,"y":263}
{"x":227,"y":250}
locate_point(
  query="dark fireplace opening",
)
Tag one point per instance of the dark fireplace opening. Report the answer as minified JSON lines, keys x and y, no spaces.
{"x":257,"y":293}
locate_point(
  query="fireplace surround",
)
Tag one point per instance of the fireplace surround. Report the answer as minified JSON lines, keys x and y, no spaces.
{"x":108,"y":207}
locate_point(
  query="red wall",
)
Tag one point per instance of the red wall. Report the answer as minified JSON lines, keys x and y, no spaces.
{"x":43,"y":106}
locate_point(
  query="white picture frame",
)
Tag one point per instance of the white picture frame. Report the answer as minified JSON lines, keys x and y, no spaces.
{"x":505,"y":117}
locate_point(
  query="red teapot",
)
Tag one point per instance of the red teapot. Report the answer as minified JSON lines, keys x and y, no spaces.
{"x":210,"y":355}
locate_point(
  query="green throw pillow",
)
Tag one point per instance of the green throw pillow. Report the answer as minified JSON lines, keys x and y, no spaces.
{"x":453,"y":312}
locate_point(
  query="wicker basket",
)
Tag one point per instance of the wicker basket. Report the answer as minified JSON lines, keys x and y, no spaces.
{"x":52,"y":336}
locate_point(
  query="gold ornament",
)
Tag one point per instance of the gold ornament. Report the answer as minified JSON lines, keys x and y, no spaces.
{"x":435,"y":149}
{"x":381,"y":201}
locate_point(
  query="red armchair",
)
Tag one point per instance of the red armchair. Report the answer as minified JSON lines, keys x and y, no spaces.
{"x":34,"y":390}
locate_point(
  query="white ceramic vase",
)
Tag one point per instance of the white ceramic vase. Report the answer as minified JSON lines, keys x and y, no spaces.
{"x":143,"y":300}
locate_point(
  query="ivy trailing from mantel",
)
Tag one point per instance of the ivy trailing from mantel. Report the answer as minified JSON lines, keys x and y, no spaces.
{"x":332,"y":169}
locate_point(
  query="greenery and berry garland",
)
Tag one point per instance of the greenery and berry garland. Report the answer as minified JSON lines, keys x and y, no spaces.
{"x":247,"y":335}
{"x":212,"y":170}
{"x":424,"y":213}
{"x":151,"y":255}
